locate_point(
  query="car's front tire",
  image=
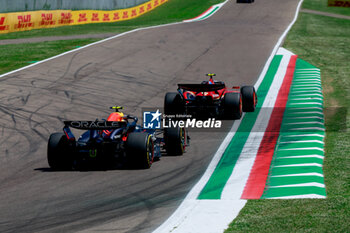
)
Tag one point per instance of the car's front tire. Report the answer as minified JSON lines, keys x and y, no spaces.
{"x":175,"y":140}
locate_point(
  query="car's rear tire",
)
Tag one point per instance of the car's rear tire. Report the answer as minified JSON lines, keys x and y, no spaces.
{"x":175,"y":140}
{"x":59,"y":153}
{"x":232,"y":103}
{"x":249,"y":98}
{"x":173,"y":104}
{"x":140,"y":150}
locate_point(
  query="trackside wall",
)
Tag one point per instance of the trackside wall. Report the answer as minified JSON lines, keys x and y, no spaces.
{"x":28,"y":20}
{"x":35,"y":5}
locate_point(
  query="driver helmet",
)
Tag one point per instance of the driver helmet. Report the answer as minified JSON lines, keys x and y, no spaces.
{"x":116,"y":116}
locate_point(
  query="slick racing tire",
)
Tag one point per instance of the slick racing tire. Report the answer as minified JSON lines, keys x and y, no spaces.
{"x":173,"y":104}
{"x":59,"y":154}
{"x":232,"y":103}
{"x":249,"y":98}
{"x":140,"y":150}
{"x":175,"y":140}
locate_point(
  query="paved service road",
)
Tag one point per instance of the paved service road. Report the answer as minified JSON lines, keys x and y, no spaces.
{"x":134,"y":70}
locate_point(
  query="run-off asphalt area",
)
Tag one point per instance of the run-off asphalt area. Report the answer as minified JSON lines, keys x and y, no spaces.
{"x":135,"y":70}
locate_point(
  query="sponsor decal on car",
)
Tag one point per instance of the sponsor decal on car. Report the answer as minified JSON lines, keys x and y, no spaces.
{"x":94,"y":124}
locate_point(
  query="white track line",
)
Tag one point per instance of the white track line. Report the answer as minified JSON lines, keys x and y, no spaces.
{"x":308,"y":108}
{"x":309,"y":128}
{"x":309,"y":79}
{"x":308,"y":196}
{"x":303,"y":148}
{"x":300,"y":174}
{"x":307,"y":117}
{"x":306,"y":103}
{"x":301,"y":165}
{"x":304,"y":141}
{"x":306,"y":84}
{"x":310,"y":184}
{"x":305,"y":135}
{"x":302,"y":156}
{"x":305,"y":123}
{"x":310,"y":94}
{"x":314,"y":92}
{"x":309,"y":98}
{"x":303,"y":113}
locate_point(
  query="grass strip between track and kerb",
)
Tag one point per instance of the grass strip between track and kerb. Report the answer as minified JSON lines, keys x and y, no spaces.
{"x":324,"y":42}
{"x":19,"y":55}
{"x":14,"y":56}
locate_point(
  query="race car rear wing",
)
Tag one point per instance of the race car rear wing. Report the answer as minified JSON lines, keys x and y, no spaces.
{"x":95,"y":125}
{"x":201,"y":87}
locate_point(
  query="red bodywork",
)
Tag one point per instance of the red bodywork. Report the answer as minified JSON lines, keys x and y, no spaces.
{"x":216,"y":95}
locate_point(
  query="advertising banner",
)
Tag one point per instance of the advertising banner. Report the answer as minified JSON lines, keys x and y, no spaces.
{"x":22,"y":21}
{"x":339,"y":3}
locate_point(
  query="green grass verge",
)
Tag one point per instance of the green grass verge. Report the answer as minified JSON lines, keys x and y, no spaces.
{"x":323,"y":42}
{"x":171,"y":11}
{"x":19,"y":55}
{"x":15,"y":56}
{"x":322,"y":5}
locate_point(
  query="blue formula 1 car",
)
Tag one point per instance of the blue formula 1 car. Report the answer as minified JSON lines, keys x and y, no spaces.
{"x":114,"y":142}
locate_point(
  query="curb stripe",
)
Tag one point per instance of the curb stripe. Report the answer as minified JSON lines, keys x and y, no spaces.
{"x":206,"y":14}
{"x":296,"y":170}
{"x":300,"y":174}
{"x":257,"y":178}
{"x":314,"y":184}
{"x":310,"y":196}
{"x":223,"y":171}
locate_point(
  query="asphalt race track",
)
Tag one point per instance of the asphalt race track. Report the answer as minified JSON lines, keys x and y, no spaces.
{"x":135,"y":70}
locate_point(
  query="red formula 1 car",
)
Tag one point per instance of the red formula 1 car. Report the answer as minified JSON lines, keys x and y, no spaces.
{"x":210,"y":99}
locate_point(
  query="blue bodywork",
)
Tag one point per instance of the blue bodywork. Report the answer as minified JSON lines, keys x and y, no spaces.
{"x":100,"y":142}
